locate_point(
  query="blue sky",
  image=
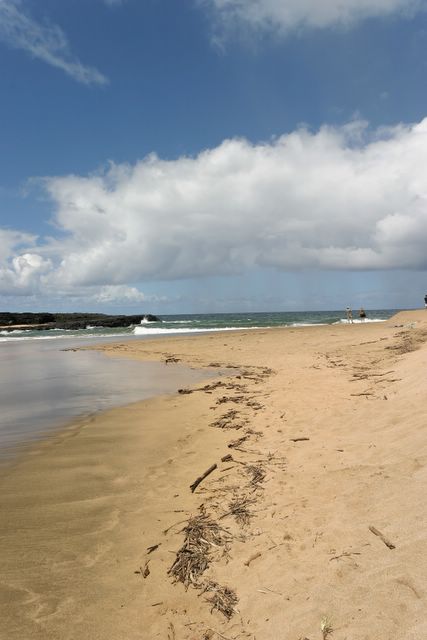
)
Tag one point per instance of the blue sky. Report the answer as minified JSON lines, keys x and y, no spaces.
{"x":208,"y":155}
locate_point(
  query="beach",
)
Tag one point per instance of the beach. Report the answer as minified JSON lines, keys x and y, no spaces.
{"x":311,"y":525}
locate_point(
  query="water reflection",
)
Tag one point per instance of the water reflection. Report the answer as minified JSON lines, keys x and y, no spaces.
{"x":43,"y":386}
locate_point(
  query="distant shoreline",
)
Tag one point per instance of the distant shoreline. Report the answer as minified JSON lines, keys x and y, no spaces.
{"x":41,"y":321}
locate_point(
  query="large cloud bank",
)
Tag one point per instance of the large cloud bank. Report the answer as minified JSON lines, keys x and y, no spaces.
{"x":285,"y":15}
{"x":340,"y":198}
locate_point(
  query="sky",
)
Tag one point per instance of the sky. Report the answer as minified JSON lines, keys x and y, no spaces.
{"x":198,"y":156}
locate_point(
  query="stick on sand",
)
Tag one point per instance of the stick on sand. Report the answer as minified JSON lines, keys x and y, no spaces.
{"x":196,"y":483}
{"x":382,"y":537}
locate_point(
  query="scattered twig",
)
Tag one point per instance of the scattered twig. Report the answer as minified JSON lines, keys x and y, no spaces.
{"x":302,"y":439}
{"x":219,"y":634}
{"x":382,"y":537}
{"x":251,"y":558}
{"x":153,"y":548}
{"x":266,"y":589}
{"x":345,"y":554}
{"x":144,"y":572}
{"x":175,"y":524}
{"x":326,"y":628}
{"x":200,"y":479}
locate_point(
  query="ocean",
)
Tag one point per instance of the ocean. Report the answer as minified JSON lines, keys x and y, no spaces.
{"x":198,"y":323}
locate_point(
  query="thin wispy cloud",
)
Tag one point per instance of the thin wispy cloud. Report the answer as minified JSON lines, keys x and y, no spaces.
{"x":44,"y":41}
{"x":284,"y":16}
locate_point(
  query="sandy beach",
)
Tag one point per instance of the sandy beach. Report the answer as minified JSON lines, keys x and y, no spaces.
{"x":312,"y":525}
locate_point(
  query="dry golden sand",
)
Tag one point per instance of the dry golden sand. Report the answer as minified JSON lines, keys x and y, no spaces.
{"x":80,"y":511}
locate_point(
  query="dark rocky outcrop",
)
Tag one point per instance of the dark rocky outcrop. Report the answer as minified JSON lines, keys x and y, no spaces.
{"x":70,"y":320}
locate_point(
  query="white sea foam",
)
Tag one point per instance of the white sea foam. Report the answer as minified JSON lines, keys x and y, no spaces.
{"x":15,"y":331}
{"x":142,"y":331}
{"x":308,"y":324}
{"x":358,"y":321}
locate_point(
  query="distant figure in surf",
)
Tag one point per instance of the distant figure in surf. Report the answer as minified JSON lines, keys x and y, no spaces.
{"x":425,"y":301}
{"x":362,"y":314}
{"x":349,"y":314}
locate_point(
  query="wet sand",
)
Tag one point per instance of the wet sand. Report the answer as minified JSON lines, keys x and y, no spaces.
{"x":326,"y":427}
{"x":46,"y":383}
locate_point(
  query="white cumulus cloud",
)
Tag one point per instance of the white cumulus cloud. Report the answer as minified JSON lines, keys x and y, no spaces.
{"x":44,"y":41}
{"x":339,"y":198}
{"x":286,"y":15}
{"x":119,"y":294}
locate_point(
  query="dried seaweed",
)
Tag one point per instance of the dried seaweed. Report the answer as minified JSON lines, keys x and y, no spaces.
{"x":228,"y":421}
{"x":202,"y":537}
{"x":256,"y":472}
{"x":236,"y":443}
{"x":238,"y":507}
{"x":225,"y":399}
{"x":223,"y":599}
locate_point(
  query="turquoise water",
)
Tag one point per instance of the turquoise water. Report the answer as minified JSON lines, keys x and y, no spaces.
{"x":197,"y":323}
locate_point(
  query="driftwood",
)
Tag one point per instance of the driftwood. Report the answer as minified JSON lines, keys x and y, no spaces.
{"x":153,"y":548}
{"x":299,"y":439}
{"x":382,"y":537}
{"x":144,"y":572}
{"x":200,"y":479}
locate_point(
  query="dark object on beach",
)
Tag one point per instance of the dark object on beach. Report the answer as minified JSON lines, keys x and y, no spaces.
{"x":144,"y":572}
{"x":382,"y":537}
{"x":196,"y":483}
{"x":171,"y":360}
{"x":227,"y":458}
{"x":203,"y":538}
{"x":223,"y":600}
{"x":299,"y":439}
{"x":251,"y":558}
{"x":184,"y":392}
{"x":153,"y":547}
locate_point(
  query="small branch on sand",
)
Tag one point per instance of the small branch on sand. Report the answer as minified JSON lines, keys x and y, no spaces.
{"x":251,"y":558}
{"x":218,"y":634}
{"x":200,"y":479}
{"x":144,"y":572}
{"x":153,"y":548}
{"x":382,"y":537}
{"x":299,"y":439}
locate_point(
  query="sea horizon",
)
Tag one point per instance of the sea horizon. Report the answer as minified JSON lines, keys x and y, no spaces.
{"x":201,"y":323}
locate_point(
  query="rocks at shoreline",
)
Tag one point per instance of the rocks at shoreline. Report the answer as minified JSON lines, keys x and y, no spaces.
{"x":41,"y":321}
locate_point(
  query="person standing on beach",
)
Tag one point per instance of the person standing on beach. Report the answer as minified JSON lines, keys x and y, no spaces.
{"x":349,"y":314}
{"x":425,"y":301}
{"x":362,"y":314}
